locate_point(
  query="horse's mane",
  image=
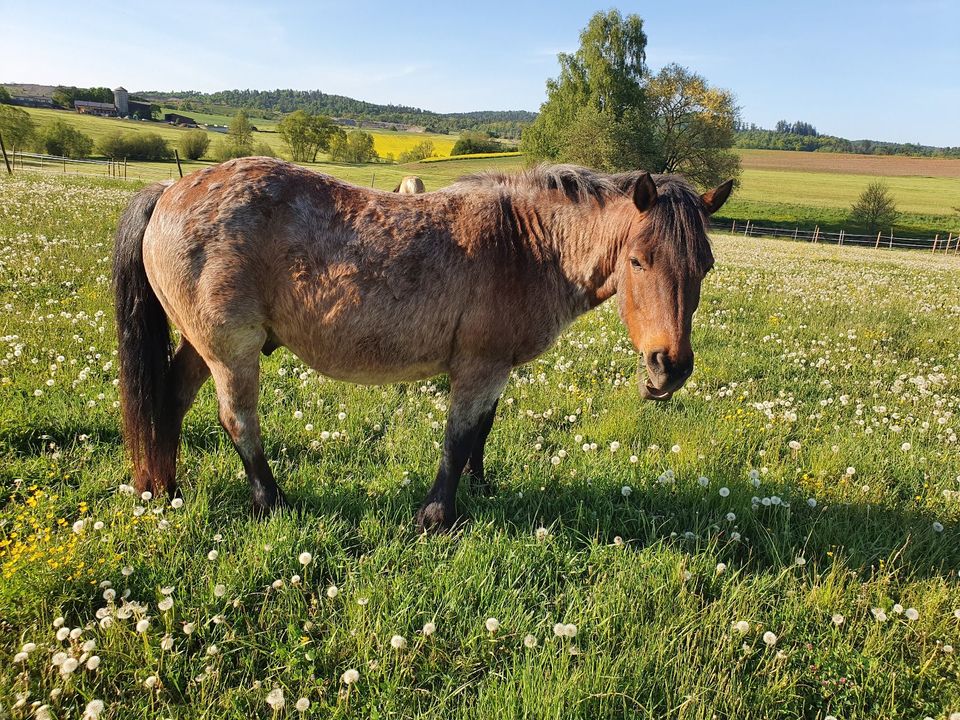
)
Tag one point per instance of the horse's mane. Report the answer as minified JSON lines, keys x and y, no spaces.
{"x":678,"y":216}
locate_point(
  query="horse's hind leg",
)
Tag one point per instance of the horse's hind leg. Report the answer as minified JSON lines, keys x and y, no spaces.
{"x":478,"y":481}
{"x":188,"y":372}
{"x":238,"y":387}
{"x":474,"y":391}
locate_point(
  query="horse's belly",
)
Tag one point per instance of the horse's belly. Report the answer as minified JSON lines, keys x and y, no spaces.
{"x":365,"y":373}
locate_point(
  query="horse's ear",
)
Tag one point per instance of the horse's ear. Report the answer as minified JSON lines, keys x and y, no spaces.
{"x":644,"y":193}
{"x":714,"y":199}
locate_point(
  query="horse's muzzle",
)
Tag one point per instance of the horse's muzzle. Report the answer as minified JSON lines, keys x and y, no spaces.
{"x":664,"y":378}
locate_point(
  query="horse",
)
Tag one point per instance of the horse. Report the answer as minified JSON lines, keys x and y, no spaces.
{"x":371,"y":287}
{"x":410,"y":185}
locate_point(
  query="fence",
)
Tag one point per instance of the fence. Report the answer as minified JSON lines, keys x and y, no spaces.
{"x":119,"y":169}
{"x":947,"y":245}
{"x":123,"y":170}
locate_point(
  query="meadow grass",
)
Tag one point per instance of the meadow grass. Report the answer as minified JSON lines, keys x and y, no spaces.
{"x":386,"y":142}
{"x":779,"y":541}
{"x":823,"y":198}
{"x":777,"y":188}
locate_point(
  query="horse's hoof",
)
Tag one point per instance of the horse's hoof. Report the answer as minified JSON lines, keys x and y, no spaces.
{"x":483,"y":487}
{"x":434,"y":517}
{"x":264,"y":504}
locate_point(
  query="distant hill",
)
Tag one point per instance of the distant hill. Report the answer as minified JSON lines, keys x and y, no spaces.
{"x":273,"y":103}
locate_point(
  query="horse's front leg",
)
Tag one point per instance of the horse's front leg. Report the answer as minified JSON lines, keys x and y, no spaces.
{"x":478,"y":481}
{"x":474,"y":390}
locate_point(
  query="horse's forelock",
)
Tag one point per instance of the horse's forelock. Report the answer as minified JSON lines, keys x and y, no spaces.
{"x":679,"y":218}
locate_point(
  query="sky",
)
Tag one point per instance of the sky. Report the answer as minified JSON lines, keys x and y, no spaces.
{"x":881,"y":70}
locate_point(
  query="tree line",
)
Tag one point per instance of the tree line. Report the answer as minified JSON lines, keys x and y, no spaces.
{"x":785,"y":136}
{"x":276,"y":103}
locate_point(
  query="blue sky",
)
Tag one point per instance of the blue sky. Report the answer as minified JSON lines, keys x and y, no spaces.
{"x":882,"y":70}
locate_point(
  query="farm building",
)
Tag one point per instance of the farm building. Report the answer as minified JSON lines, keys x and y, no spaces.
{"x":122,"y":106}
{"x":177,"y":119}
{"x":32,"y":101}
{"x":89,"y":107}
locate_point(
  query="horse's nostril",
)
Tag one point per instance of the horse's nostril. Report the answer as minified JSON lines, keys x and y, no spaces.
{"x":659,"y":361}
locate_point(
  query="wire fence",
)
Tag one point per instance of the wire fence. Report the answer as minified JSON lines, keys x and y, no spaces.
{"x":946,"y":244}
{"x":119,"y":169}
{"x":124,"y":170}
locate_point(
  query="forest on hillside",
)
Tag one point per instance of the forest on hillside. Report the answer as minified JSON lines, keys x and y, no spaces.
{"x":275,"y":103}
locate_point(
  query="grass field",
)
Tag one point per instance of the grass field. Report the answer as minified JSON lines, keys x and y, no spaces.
{"x":882,"y":165}
{"x":781,"y":540}
{"x":386,"y":142}
{"x":784,"y":189}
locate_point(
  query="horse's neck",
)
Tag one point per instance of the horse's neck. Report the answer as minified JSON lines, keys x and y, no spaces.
{"x":588,"y":241}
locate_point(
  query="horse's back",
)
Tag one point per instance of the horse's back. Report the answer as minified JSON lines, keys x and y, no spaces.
{"x":359,"y":283}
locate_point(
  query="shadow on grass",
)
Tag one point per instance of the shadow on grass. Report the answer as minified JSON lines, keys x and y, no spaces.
{"x":693,"y":519}
{"x":866,"y":537}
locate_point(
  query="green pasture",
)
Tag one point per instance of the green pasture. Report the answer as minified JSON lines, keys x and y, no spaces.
{"x":780,"y":197}
{"x":779,"y":541}
{"x":928,"y":205}
{"x":387,"y":142}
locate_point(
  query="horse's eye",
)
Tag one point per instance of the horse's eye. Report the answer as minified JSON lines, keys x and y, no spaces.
{"x":636,"y":263}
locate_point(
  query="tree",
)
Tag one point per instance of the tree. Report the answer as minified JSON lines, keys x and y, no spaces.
{"x":134,"y":146}
{"x":16,"y":126}
{"x":354,"y":147}
{"x":599,"y":95}
{"x":420,"y":151}
{"x":306,"y":134}
{"x":693,"y":127}
{"x":475,"y":142}
{"x":4,"y":94}
{"x":875,"y":209}
{"x":59,"y":138}
{"x":193,"y":144}
{"x":240,"y":134}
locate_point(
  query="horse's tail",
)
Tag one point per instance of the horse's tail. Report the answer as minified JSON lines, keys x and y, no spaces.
{"x":399,"y":185}
{"x":145,"y":349}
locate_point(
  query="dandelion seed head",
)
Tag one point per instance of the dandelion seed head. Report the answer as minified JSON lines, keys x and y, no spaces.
{"x":275,"y":699}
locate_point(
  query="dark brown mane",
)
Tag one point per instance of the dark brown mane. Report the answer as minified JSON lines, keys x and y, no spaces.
{"x":577,"y":183}
{"x":678,"y":217}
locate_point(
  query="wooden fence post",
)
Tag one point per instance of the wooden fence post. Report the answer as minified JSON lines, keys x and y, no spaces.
{"x":796,"y":230}
{"x":949,"y":238}
{"x":733,"y":228}
{"x":816,"y":234}
{"x":840,"y":239}
{"x":935,"y":241}
{"x":891,"y":238}
{"x":177,"y":156}
{"x":9,"y":171}
{"x":878,"y":240}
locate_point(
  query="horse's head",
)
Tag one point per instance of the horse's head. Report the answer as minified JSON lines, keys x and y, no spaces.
{"x":664,"y":261}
